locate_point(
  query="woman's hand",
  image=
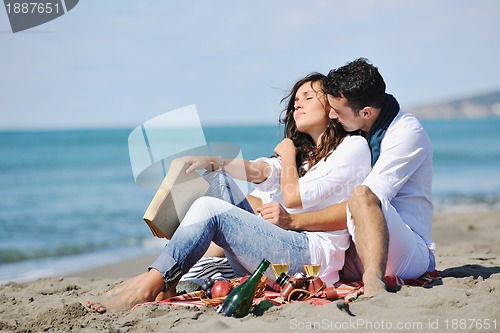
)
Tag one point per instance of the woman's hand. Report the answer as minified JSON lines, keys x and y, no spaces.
{"x":286,"y":148}
{"x":196,"y":162}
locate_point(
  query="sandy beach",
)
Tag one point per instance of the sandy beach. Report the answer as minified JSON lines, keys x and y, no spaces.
{"x":465,"y":300}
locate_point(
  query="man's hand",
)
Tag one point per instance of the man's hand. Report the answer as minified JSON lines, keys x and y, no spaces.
{"x":276,"y":214}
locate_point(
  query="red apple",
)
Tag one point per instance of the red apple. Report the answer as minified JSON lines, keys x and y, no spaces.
{"x":221,"y":288}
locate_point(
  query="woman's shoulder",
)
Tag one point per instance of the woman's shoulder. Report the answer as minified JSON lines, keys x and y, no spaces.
{"x":351,"y":141}
{"x":353,"y":148}
{"x":354,"y":138}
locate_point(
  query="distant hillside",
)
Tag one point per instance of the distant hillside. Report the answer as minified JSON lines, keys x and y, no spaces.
{"x":487,"y":105}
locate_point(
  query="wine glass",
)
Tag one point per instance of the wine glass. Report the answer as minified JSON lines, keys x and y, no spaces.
{"x":280,"y":261}
{"x":311,"y":260}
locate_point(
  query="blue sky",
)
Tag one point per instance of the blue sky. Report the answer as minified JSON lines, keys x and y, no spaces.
{"x":118,"y":63}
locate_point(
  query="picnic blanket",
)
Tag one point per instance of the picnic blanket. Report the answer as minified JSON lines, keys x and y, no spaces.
{"x":348,"y":291}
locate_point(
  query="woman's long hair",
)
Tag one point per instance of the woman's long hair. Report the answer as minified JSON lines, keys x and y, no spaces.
{"x":308,"y":152}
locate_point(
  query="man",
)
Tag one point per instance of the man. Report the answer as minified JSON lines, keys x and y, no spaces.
{"x":389,"y":216}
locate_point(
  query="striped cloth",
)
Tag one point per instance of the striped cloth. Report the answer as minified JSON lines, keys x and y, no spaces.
{"x":347,"y":291}
{"x":209,"y":267}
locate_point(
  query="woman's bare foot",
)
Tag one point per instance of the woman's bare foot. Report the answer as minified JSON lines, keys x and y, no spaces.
{"x":95,"y":306}
{"x":124,"y":285}
{"x":144,"y":288}
{"x":164,"y":295}
{"x":373,"y":284}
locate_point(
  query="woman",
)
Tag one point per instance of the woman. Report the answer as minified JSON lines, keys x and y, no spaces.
{"x":323,"y":171}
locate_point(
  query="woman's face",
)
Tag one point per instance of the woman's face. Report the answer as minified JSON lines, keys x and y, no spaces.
{"x":311,"y":115}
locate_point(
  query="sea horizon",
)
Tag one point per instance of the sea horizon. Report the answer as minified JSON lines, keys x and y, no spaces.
{"x":69,"y":201}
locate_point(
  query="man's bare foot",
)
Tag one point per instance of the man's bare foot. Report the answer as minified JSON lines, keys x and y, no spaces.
{"x":139,"y":290}
{"x":373,"y":284}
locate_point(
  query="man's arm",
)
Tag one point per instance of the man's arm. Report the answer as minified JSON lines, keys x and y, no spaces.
{"x":327,"y":219}
{"x":406,"y":147}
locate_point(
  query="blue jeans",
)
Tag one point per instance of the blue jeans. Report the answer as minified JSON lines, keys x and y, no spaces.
{"x":245,"y":238}
{"x":223,"y":186}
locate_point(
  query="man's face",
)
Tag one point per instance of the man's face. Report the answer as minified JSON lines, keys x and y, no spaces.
{"x":341,"y":111}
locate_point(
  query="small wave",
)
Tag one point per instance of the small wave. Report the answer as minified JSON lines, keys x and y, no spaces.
{"x":460,"y":202}
{"x":29,"y":270}
{"x":11,"y":254}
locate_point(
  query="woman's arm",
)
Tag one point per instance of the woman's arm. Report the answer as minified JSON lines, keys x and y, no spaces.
{"x":289,"y":179}
{"x":255,"y":172}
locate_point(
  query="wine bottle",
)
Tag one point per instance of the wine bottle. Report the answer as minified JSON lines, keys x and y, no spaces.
{"x":238,"y":302}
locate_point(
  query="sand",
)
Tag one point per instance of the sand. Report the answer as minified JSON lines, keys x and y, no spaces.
{"x":467,"y":299}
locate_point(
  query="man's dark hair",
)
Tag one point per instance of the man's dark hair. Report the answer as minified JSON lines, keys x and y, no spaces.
{"x":359,"y":82}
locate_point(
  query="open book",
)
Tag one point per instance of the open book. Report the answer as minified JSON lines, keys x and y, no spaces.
{"x":171,"y":202}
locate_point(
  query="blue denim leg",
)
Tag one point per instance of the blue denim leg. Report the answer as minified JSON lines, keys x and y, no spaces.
{"x":223,"y":186}
{"x":245,"y":237}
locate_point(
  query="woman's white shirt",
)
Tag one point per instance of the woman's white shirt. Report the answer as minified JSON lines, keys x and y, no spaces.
{"x":326,"y":183}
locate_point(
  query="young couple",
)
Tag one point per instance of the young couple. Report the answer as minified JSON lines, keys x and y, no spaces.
{"x":328,"y":186}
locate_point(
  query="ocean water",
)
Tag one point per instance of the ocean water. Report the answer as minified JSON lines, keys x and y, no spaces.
{"x":68,"y":200}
